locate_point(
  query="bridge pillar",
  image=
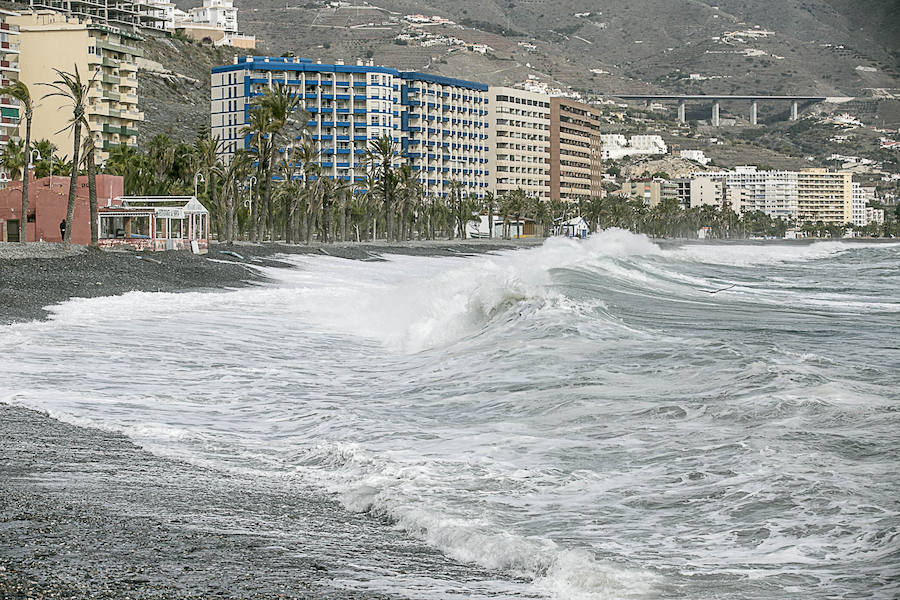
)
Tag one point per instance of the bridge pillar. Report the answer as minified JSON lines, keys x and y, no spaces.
{"x":715,"y":114}
{"x":795,"y":110}
{"x":681,"y":111}
{"x":754,"y":111}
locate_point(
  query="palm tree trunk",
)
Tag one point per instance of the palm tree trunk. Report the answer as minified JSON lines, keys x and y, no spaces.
{"x":73,"y":185}
{"x":92,"y":198}
{"x":23,"y":228}
{"x":344,"y":220}
{"x":229,"y":213}
{"x":491,"y":221}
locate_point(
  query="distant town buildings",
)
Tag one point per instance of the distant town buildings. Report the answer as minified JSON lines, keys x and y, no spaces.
{"x":695,"y":155}
{"x":617,"y":146}
{"x":814,"y":195}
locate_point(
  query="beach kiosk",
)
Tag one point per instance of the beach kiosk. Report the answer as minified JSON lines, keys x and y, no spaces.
{"x":573,"y":228}
{"x":155,"y":223}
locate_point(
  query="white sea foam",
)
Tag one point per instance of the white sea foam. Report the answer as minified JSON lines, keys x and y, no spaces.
{"x":579,"y":420}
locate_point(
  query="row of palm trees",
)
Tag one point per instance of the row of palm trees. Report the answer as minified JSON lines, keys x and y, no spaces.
{"x":276,"y":188}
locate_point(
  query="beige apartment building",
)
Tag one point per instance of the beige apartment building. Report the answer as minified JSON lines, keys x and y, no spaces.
{"x":650,"y":191}
{"x":825,"y":196}
{"x":519,"y":141}
{"x":576,"y":166}
{"x":104,"y":55}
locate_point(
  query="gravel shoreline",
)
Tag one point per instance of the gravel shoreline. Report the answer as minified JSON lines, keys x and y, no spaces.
{"x":85,"y":513}
{"x":42,"y":274}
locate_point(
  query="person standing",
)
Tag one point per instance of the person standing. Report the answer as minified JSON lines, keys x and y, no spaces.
{"x":62,"y":230}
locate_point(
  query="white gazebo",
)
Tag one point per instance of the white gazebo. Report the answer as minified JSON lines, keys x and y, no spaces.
{"x":155,"y":223}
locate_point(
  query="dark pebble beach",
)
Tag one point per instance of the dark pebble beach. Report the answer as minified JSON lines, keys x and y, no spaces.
{"x":85,"y":513}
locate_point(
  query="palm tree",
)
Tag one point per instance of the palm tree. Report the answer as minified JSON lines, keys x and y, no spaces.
{"x":381,"y":156}
{"x":515,"y":206}
{"x":19,"y":91}
{"x":12,"y":158}
{"x":206,"y":153}
{"x":343,"y":192}
{"x":306,"y":156}
{"x":89,"y":149}
{"x":490,"y":204}
{"x":71,"y":88}
{"x":232,"y":179}
{"x":278,"y":104}
{"x":410,"y":189}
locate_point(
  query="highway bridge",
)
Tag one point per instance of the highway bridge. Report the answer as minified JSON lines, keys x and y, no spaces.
{"x":716,"y":100}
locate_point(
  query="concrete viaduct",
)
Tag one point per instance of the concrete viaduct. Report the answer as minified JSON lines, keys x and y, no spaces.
{"x":716,"y":100}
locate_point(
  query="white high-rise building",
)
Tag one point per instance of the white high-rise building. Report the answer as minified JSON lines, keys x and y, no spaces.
{"x":773,"y":192}
{"x":861,"y":197}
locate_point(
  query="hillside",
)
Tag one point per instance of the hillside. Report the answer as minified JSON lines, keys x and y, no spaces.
{"x":828,"y":47}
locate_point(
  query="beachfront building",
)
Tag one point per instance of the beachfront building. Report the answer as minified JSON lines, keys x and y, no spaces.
{"x":576,"y":162}
{"x":9,"y":73}
{"x":162,"y":14}
{"x":825,"y":196}
{"x":105,"y":56}
{"x":772,"y":192}
{"x":154,"y":223}
{"x":438,"y":123}
{"x":616,"y":146}
{"x":444,"y":132}
{"x":519,"y":141}
{"x":349,"y":105}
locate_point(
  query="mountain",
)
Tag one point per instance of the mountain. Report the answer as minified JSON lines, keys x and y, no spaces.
{"x":823,"y":47}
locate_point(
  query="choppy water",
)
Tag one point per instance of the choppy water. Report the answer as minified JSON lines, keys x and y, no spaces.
{"x":583,"y":418}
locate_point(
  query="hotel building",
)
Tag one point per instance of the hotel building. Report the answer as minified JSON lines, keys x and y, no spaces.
{"x":825,"y":196}
{"x":519,"y":140}
{"x":772,"y":192}
{"x":437,"y":123}
{"x":104,"y":55}
{"x":9,"y":73}
{"x":576,"y":166}
{"x":444,"y":132}
{"x":808,"y":195}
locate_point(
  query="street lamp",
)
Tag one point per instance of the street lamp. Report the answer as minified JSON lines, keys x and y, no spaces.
{"x":34,"y":152}
{"x":198,"y":176}
{"x":249,"y":201}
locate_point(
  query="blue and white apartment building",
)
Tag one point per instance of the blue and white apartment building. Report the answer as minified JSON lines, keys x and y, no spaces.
{"x":440,"y":124}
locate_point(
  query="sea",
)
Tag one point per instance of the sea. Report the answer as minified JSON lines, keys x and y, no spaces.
{"x":610,"y":418}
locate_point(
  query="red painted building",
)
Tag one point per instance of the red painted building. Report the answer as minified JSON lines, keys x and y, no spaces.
{"x":47,"y":207}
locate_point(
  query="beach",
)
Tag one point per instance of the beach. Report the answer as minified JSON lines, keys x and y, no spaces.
{"x":43,"y":274}
{"x":616,"y":417}
{"x":87,"y":513}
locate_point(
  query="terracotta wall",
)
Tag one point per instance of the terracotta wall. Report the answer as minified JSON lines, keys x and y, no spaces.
{"x":47,"y":205}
